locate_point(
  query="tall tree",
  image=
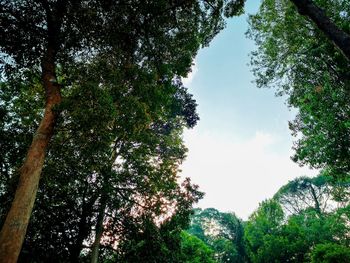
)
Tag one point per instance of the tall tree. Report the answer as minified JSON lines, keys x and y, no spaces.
{"x":83,"y":182}
{"x":45,"y":34}
{"x":314,"y":76}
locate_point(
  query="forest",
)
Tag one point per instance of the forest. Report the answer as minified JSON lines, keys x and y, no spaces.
{"x":92,"y":113}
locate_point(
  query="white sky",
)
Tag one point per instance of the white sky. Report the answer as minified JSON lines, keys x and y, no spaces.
{"x":239,"y":153}
{"x":237,"y":174}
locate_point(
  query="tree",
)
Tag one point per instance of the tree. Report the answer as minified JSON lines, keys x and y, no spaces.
{"x":48,"y":35}
{"x":261,"y":233}
{"x":313,"y":75}
{"x":79,"y":178}
{"x":222,"y":232}
{"x":311,"y":193}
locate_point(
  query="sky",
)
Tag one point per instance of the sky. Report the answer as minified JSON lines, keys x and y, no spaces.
{"x":239,"y":153}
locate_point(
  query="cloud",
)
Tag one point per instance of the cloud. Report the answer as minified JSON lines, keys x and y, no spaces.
{"x":238,"y":174}
{"x":188,"y":80}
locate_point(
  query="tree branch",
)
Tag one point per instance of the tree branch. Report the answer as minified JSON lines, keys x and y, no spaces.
{"x":340,"y":38}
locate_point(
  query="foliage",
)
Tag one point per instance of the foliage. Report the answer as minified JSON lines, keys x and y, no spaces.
{"x":222,"y":232}
{"x":330,"y":253}
{"x":318,"y":193}
{"x":79,"y":170}
{"x":195,"y":250}
{"x":148,"y":241}
{"x":155,"y":30}
{"x":98,"y":125}
{"x":261,"y":233}
{"x":302,"y":63}
{"x":274,"y":236}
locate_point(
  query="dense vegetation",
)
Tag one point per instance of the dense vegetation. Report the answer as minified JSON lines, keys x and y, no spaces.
{"x":303,"y":222}
{"x":92,"y":104}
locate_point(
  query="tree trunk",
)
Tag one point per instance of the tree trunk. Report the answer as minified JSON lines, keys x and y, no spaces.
{"x":84,"y":227}
{"x":339,"y":37}
{"x":317,"y":203}
{"x":14,"y":229}
{"x":99,"y":228}
{"x":103,"y":204}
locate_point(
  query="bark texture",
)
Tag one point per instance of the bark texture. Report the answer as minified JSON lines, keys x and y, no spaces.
{"x":14,"y":229}
{"x":99,"y":224}
{"x":99,"y":228}
{"x":84,"y":227}
{"x":339,"y":37}
{"x":102,"y":206}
